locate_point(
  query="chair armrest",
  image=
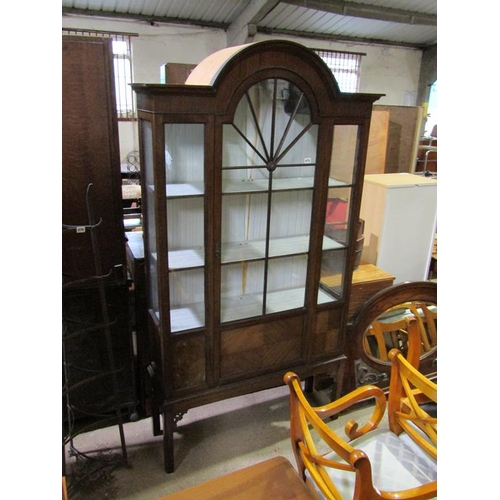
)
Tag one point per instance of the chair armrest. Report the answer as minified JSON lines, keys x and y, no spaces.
{"x":357,"y":396}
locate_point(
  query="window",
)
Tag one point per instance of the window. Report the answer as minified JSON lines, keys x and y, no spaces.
{"x":122,"y":59}
{"x":345,"y":66}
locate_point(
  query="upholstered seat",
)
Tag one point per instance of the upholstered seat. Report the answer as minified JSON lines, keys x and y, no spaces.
{"x":397,"y":464}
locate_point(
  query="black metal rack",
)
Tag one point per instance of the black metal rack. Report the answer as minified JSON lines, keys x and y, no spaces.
{"x":95,"y":375}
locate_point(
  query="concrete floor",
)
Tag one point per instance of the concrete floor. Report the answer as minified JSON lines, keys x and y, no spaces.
{"x":211,"y":441}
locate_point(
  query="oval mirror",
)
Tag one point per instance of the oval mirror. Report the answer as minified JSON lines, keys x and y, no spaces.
{"x":410,"y":327}
{"x":402,"y":316}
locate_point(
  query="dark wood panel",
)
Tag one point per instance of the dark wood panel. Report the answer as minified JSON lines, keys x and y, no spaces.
{"x":260,"y":347}
{"x":90,"y":155}
{"x":189,"y":362}
{"x":326,"y":337}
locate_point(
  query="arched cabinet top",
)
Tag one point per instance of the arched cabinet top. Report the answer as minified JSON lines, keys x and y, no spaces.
{"x":266,"y":55}
{"x":227,"y":73}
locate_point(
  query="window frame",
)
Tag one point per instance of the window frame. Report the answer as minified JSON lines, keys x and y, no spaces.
{"x":339,"y":61}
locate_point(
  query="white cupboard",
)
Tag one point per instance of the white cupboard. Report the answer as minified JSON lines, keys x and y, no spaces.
{"x":400,"y":212}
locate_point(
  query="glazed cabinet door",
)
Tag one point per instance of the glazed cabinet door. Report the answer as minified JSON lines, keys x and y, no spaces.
{"x":174,"y":242}
{"x":268,"y":173}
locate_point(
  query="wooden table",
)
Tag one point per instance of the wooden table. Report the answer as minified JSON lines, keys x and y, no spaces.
{"x":367,"y":280}
{"x":274,"y":479}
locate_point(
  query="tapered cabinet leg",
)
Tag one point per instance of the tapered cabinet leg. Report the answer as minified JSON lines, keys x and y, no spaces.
{"x":168,"y":440}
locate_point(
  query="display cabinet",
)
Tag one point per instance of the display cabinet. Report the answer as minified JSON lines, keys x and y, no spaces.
{"x":239,"y":166}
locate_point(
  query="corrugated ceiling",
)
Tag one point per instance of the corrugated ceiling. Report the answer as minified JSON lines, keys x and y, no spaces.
{"x":394,"y":22}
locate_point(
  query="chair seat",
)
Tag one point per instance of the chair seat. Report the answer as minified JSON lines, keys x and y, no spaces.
{"x":397,"y":463}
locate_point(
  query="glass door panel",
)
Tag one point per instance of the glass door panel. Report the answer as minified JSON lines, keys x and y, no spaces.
{"x":184,"y":159}
{"x":243,"y":229}
{"x":290,"y":223}
{"x":184,"y":169}
{"x":242,"y":292}
{"x":185,"y":233}
{"x":269,"y":153}
{"x":187,"y":299}
{"x":286,"y":283}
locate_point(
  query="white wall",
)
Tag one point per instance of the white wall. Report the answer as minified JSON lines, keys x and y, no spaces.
{"x":392,"y":71}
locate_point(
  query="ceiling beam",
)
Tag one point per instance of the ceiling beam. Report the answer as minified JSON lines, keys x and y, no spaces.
{"x":340,"y":38}
{"x":367,"y":11}
{"x":244,"y":27}
{"x":143,"y":18}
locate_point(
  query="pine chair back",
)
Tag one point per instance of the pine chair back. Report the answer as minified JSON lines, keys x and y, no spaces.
{"x":409,"y":390}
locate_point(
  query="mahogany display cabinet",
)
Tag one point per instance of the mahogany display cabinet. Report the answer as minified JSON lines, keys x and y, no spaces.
{"x":238,"y":167}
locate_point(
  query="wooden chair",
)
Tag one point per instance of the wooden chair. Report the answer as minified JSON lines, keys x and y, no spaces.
{"x":409,"y":390}
{"x":375,"y":462}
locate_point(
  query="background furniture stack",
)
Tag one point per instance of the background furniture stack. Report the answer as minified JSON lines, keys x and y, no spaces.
{"x":97,"y":345}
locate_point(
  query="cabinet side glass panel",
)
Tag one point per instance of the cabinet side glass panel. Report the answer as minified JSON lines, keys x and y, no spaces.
{"x":344,"y":154}
{"x":268,"y":171}
{"x":150,"y":235}
{"x":343,"y":166}
{"x":184,"y":164}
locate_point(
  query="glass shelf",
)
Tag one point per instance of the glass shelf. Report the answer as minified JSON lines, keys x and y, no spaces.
{"x":181,"y":190}
{"x":187,"y":317}
{"x":192,"y":188}
{"x":247,"y":306}
{"x":191,"y":258}
{"x":188,"y":258}
{"x":262,"y":185}
{"x":192,"y":316}
{"x":254,"y":250}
